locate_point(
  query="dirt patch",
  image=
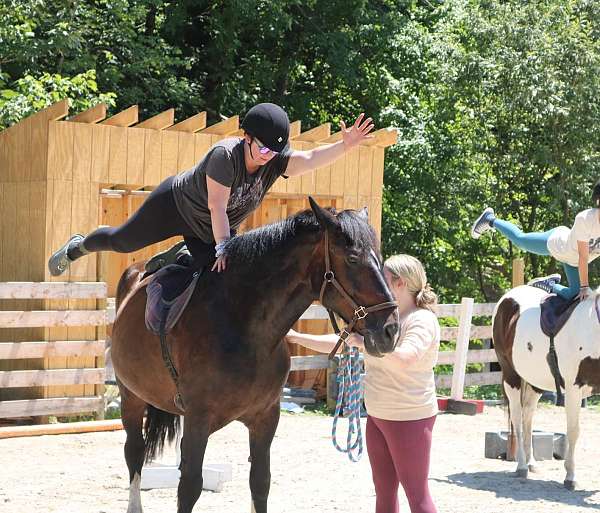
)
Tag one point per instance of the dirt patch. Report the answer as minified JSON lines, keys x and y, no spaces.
{"x":87,"y":473}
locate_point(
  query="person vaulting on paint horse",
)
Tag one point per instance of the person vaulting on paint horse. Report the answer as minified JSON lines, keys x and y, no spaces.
{"x":573,"y":247}
{"x":206,"y":204}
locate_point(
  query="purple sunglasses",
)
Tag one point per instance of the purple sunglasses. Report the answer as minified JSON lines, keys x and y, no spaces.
{"x":262,"y":149}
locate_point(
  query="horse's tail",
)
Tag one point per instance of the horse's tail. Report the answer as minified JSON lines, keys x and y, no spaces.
{"x":159,"y":425}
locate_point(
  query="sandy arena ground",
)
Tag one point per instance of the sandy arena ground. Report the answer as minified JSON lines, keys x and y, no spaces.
{"x":87,"y":473}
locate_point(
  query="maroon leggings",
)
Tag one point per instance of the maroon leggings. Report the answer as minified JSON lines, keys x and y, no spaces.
{"x":399,"y":454}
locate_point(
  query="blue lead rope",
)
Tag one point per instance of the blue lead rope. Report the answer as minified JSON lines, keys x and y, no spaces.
{"x":348,"y":381}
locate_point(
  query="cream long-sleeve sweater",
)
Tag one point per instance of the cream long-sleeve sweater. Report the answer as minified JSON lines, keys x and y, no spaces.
{"x":397,"y":390}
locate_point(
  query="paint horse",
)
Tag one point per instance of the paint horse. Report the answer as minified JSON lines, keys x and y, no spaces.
{"x":525,"y":356}
{"x":228,"y":347}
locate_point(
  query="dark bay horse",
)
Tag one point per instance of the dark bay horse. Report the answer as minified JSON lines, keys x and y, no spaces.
{"x":228,"y":347}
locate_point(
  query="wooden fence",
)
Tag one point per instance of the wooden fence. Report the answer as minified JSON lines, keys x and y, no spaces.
{"x":459,"y":358}
{"x":56,"y":348}
{"x":462,"y":355}
{"x":102,"y":317}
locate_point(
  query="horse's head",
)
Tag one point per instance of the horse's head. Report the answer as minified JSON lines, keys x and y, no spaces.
{"x":351,"y":278}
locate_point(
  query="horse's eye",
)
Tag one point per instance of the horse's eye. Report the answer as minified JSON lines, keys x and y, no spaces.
{"x":352,"y":259}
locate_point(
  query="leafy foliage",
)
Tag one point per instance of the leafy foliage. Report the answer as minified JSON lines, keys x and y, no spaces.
{"x":497,"y":102}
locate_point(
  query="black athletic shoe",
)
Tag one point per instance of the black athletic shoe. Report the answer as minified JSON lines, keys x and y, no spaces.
{"x":59,"y":262}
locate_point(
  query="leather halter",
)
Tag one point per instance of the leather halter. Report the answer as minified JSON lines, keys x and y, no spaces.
{"x":360,"y":312}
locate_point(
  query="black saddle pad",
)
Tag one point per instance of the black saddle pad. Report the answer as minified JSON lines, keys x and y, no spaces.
{"x":555,"y":311}
{"x":168,"y":293}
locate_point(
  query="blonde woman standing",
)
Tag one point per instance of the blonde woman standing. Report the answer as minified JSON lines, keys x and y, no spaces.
{"x":399,"y":391}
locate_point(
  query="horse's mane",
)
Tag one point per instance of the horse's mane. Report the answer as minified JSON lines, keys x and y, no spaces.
{"x":255,"y":244}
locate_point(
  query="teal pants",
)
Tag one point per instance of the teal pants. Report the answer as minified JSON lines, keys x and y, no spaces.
{"x":537,"y":243}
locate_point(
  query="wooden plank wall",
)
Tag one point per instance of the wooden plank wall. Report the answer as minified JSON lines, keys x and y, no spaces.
{"x":52,"y":173}
{"x":23,"y":198}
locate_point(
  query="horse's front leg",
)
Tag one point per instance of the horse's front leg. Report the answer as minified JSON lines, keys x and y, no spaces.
{"x":262,"y":430}
{"x":193,"y":447}
{"x":573,"y":396}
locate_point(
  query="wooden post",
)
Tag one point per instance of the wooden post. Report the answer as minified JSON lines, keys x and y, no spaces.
{"x":101,"y":331}
{"x":518,"y":272}
{"x":462,"y":348}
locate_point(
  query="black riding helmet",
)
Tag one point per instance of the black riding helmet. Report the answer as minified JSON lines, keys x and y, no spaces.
{"x":270,"y":124}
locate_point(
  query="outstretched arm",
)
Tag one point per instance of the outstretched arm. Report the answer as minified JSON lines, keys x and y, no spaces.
{"x":302,"y":162}
{"x":584,"y":284}
{"x":320,"y":343}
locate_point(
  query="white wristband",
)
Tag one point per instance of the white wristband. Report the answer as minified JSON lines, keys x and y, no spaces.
{"x":220,"y":248}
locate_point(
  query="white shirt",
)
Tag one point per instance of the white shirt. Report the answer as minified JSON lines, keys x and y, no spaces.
{"x":562,"y":242}
{"x":397,"y":391}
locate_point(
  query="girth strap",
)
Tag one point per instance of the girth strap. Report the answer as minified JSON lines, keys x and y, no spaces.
{"x":552,"y":360}
{"x":166,"y":355}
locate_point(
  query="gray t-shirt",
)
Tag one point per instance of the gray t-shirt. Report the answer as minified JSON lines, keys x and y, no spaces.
{"x":225,"y":164}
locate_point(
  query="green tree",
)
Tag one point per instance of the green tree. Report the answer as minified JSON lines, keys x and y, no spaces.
{"x":508,"y":118}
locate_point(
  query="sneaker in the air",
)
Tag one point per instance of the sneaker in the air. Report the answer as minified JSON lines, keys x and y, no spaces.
{"x":483,"y":223}
{"x":59,"y":262}
{"x":546,"y":283}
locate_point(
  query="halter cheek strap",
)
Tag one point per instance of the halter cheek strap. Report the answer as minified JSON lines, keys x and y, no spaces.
{"x":360,"y":312}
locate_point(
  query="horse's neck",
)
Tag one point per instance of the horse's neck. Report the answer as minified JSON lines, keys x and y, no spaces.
{"x":280,"y":291}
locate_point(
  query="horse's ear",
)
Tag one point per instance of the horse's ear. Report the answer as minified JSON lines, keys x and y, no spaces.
{"x":364,"y":214}
{"x":326,"y":219}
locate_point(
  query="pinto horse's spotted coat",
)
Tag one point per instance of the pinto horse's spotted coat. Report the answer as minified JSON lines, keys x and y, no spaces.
{"x":522,"y":350}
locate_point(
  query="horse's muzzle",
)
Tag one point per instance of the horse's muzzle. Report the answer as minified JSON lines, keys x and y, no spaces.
{"x":382,"y":341}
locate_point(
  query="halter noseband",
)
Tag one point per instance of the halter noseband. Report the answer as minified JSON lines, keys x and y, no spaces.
{"x":360,"y":312}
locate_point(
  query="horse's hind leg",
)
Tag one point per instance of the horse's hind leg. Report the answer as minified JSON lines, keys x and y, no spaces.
{"x":132,"y":414}
{"x":193,"y":447}
{"x":529,"y":401}
{"x":516,"y":417}
{"x":573,"y":396}
{"x":262,"y":430}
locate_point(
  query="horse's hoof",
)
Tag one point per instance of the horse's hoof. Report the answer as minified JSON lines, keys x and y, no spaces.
{"x":533,"y":468}
{"x":522,"y":472}
{"x":570,"y":485}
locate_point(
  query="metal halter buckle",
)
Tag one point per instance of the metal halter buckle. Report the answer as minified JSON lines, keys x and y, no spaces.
{"x":360,"y":312}
{"x":344,"y":334}
{"x":329,"y":276}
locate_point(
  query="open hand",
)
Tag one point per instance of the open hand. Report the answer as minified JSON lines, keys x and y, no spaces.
{"x":220,"y":264}
{"x":583,"y":293}
{"x":358,"y":132}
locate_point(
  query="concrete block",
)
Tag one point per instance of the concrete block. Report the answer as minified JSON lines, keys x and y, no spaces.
{"x":545,"y":445}
{"x":214,"y":476}
{"x":495,"y":444}
{"x":560,"y":446}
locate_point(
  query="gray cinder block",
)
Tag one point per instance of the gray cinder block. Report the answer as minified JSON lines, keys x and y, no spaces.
{"x":545,"y":445}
